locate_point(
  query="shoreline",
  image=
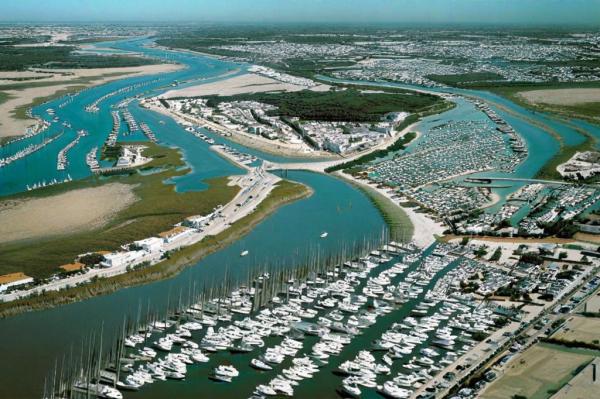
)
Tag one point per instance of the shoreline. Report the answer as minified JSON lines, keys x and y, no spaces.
{"x":62,"y":81}
{"x":167,"y":268}
{"x":397,"y":222}
{"x":425,"y":229}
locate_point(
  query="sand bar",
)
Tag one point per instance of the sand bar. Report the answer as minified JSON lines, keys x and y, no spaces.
{"x":82,"y":209}
{"x":240,"y":84}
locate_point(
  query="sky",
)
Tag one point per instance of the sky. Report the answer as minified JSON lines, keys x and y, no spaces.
{"x":534,"y":12}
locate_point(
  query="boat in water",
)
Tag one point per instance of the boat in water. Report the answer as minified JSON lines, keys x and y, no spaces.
{"x":244,"y":253}
{"x":324,"y":234}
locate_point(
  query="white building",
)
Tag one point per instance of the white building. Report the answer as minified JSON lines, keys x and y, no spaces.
{"x":197,"y":222}
{"x":14,"y":280}
{"x":152,"y":244}
{"x":175,"y":234}
{"x":120,"y":259}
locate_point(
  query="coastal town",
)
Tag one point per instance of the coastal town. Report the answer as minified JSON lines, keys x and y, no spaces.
{"x":310,"y":210}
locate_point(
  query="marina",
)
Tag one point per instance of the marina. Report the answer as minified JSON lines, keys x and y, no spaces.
{"x":267,"y":315}
{"x":388,"y":322}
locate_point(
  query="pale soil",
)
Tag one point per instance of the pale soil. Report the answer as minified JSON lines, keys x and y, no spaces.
{"x":246,"y":83}
{"x":82,"y":209}
{"x":593,"y":304}
{"x":578,"y":328}
{"x":533,"y":371}
{"x":586,"y":237}
{"x":59,"y":79}
{"x":561,"y":96}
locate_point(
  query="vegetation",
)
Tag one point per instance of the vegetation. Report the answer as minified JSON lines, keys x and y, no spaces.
{"x":496,"y":255}
{"x":20,"y":58}
{"x":350,"y":105}
{"x":571,"y":344}
{"x":159,"y":207}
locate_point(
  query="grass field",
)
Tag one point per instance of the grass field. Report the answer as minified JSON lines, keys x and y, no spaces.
{"x":159,"y":207}
{"x":285,"y":192}
{"x":538,"y":372}
{"x":580,"y":328}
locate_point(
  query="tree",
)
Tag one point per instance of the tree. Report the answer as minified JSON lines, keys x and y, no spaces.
{"x":91,"y":259}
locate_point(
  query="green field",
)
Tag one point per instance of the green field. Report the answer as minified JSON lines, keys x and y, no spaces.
{"x":351,"y":104}
{"x":158,"y":209}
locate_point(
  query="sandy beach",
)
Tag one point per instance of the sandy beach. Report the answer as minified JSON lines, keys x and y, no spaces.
{"x":425,"y":229}
{"x":82,"y":209}
{"x":57,"y":80}
{"x":561,"y":96}
{"x":241,"y":84}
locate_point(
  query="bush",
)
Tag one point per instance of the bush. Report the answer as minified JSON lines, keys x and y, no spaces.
{"x":91,"y":259}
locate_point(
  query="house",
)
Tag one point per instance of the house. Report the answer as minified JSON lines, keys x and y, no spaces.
{"x":152,"y":244}
{"x":120,"y":259}
{"x":14,"y":280}
{"x":175,"y":234}
{"x":72,"y":267}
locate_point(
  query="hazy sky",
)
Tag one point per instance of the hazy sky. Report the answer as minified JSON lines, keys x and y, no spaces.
{"x":402,"y":11}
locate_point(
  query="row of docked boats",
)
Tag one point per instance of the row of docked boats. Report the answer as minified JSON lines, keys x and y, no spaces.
{"x":62,"y":161}
{"x":111,"y":140}
{"x":30,"y":149}
{"x":196,"y":132}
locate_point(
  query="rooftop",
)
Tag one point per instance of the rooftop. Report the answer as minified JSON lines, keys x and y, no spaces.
{"x":12,"y":277}
{"x":72,"y":267}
